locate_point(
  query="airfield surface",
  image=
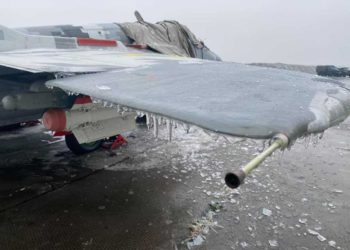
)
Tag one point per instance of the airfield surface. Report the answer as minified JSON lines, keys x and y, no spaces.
{"x":147,"y":194}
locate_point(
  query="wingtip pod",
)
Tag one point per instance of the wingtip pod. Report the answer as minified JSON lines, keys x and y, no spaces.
{"x":236,"y":178}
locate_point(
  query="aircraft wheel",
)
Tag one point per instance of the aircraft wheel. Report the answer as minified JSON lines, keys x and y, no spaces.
{"x":141,"y":119}
{"x":79,"y":149}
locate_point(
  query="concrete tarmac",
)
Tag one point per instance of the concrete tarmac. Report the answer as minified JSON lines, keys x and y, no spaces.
{"x":156,"y":194}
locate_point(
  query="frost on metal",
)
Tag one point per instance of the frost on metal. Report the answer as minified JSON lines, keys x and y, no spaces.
{"x":329,"y":108}
{"x":153,"y":121}
{"x":226,"y":98}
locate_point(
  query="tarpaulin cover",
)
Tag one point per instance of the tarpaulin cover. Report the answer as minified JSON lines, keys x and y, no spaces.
{"x":166,"y":37}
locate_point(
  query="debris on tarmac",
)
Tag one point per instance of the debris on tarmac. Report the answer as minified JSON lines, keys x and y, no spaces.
{"x":244,"y":244}
{"x":312,"y":232}
{"x":88,"y":242}
{"x":196,"y":241}
{"x":337,"y":191}
{"x":267,"y":212}
{"x":332,"y":243}
{"x":273,"y":243}
{"x":317,"y":234}
{"x":200,"y":228}
{"x":215,"y":206}
{"x":321,"y":238}
{"x":302,"y":220}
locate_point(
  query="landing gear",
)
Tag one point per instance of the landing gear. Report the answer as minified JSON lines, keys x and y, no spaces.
{"x":79,"y":149}
{"x":141,"y":119}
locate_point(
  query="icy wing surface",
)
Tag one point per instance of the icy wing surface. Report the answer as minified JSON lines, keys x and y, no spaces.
{"x":229,"y":98}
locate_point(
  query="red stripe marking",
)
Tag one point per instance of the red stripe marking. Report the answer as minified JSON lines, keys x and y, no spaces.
{"x":138,"y":46}
{"x":83,"y":100}
{"x":96,"y":42}
{"x":120,"y":140}
{"x":61,"y":133}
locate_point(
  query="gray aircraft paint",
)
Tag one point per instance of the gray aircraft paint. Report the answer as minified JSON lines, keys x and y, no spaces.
{"x":229,"y":98}
{"x":52,"y":37}
{"x":156,"y":36}
{"x":224,"y":97}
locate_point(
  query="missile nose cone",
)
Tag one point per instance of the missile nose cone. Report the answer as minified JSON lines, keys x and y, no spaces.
{"x":55,"y":119}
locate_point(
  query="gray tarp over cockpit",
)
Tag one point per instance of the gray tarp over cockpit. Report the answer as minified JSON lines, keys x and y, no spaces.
{"x":167,"y":37}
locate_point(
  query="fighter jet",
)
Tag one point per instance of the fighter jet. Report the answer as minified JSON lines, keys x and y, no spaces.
{"x":89,"y":82}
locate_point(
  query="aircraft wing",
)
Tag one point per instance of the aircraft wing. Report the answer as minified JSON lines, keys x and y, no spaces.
{"x":228,"y":98}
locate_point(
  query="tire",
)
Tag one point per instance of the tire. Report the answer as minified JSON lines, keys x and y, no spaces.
{"x":141,"y":119}
{"x":84,"y":148}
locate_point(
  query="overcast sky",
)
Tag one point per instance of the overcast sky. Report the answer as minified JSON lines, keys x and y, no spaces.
{"x":300,"y":31}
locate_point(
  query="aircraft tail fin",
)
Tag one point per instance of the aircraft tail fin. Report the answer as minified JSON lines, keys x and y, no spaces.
{"x":11,"y":39}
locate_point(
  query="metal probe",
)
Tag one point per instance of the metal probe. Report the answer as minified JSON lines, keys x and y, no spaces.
{"x":236,"y":178}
